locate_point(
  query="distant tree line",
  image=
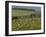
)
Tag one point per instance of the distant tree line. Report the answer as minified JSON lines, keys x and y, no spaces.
{"x":23,"y":9}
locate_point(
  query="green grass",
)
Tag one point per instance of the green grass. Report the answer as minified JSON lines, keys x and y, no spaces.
{"x":25,"y":23}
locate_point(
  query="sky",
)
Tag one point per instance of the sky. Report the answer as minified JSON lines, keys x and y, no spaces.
{"x":37,"y":9}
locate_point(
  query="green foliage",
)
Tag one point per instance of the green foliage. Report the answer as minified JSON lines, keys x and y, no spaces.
{"x":26,"y":24}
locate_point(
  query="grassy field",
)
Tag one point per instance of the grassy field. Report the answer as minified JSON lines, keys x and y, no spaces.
{"x":25,"y":22}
